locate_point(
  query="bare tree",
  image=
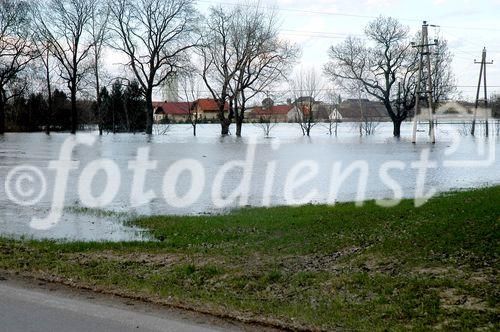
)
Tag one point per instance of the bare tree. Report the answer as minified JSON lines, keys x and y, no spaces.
{"x":443,"y":80}
{"x":161,"y":129}
{"x":220,"y":61}
{"x":156,"y":36}
{"x":16,"y":50}
{"x":387,"y":60}
{"x":191,"y":92}
{"x":64,"y":23}
{"x":376,"y":67}
{"x":44,"y":54}
{"x":306,"y":88}
{"x":266,"y":58}
{"x":333,"y":116}
{"x":242,"y":55}
{"x":268,"y":117}
{"x":367,"y":123}
{"x":98,"y":29}
{"x":267,"y":123}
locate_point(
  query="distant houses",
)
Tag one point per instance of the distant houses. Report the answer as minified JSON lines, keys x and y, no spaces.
{"x":350,"y":110}
{"x":207,"y":110}
{"x":173,"y":111}
{"x":354,"y":110}
{"x":276,"y":113}
{"x":204,"y":110}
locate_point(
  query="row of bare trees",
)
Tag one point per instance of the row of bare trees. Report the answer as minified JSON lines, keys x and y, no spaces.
{"x":236,"y":51}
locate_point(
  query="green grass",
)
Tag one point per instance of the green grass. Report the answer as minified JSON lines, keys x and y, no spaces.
{"x":340,"y":267}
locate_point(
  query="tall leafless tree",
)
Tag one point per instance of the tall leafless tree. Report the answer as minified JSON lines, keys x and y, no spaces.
{"x":266,"y":58}
{"x":16,"y":49}
{"x":242,"y":56}
{"x":156,"y":36}
{"x":190,"y":93}
{"x":219,"y":61}
{"x":65,"y":23}
{"x":98,"y":29}
{"x":44,"y":55}
{"x":385,"y":60}
{"x":377,"y":66}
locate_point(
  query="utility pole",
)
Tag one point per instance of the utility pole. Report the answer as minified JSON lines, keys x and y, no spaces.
{"x":482,"y":72}
{"x":425,"y":52}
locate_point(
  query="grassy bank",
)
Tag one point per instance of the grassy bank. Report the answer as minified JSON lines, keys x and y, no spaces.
{"x":321,"y":267}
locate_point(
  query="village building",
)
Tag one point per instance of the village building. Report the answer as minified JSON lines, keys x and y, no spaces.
{"x":293,"y":112}
{"x":178,"y":112}
{"x":208,"y":109}
{"x":355,"y":110}
{"x":273,"y":113}
{"x":171,"y":111}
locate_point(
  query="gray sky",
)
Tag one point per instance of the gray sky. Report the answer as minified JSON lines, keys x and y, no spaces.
{"x":315,"y":26}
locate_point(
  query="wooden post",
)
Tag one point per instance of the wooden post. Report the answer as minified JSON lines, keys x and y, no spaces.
{"x":482,"y":76}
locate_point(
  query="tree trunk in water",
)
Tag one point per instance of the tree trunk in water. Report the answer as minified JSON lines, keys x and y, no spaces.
{"x":194,"y":130}
{"x":240,"y":116}
{"x":98,"y":94}
{"x":74,"y":112}
{"x":149,"y":112}
{"x":100,"y":127}
{"x":114,"y":119}
{"x":127,"y":119}
{"x":99,"y":114}
{"x":225,"y":127}
{"x":49,"y":101}
{"x":397,"y":128}
{"x":239,"y":124}
{"x":48,"y":118}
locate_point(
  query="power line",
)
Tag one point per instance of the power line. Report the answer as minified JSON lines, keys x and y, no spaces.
{"x":324,"y":32}
{"x":328,"y":89}
{"x":343,"y":14}
{"x":294,"y":10}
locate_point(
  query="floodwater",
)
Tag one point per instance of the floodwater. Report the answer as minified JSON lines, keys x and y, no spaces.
{"x":458,"y":161}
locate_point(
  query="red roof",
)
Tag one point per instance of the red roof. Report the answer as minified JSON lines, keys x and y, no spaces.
{"x":278,"y":110}
{"x":172,"y":108}
{"x":209,"y":105}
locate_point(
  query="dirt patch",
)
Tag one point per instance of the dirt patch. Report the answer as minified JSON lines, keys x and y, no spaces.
{"x":433,"y":270}
{"x":318,"y":262}
{"x":452,"y":300}
{"x":156,"y":259}
{"x":478,"y":276}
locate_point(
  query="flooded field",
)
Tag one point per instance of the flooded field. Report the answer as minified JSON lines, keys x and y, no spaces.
{"x":271,"y":166}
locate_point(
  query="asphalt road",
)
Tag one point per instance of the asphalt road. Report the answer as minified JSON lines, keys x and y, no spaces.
{"x":35,"y":309}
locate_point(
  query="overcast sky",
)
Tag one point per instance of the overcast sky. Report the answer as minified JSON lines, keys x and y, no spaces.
{"x":314,"y":25}
{"x":467,"y":25}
